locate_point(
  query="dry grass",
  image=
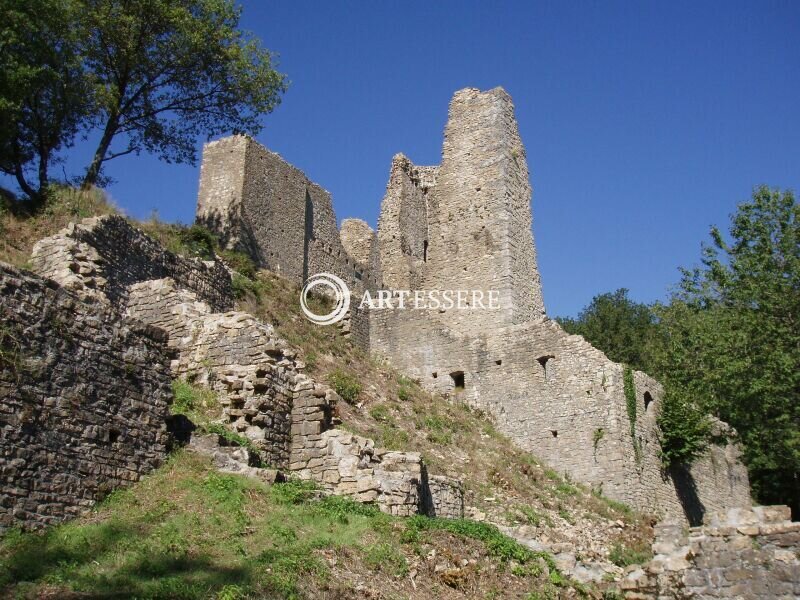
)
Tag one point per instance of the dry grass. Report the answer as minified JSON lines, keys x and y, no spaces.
{"x":507,"y":484}
{"x":19,"y":230}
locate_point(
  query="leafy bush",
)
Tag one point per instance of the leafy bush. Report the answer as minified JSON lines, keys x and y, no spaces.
{"x":243,"y":286}
{"x":623,"y":556}
{"x":404,"y":388}
{"x":685,"y":430}
{"x":239,"y":262}
{"x":346,"y":385}
{"x":191,"y":400}
{"x":198,"y":241}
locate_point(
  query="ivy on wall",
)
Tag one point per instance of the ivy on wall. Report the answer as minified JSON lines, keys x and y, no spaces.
{"x":629,"y":388}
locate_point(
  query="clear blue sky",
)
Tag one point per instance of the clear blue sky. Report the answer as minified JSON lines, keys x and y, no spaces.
{"x":644,"y":122}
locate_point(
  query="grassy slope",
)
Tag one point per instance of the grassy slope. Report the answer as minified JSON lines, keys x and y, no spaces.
{"x":510,"y":486}
{"x":189,"y":532}
{"x":19,"y":232}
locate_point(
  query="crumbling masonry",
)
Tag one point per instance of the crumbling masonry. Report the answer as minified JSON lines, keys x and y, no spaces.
{"x":466,"y":225}
{"x":89,"y":346}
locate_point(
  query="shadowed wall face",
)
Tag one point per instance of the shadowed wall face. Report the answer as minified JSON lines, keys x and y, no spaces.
{"x":85,"y":396}
{"x":257,"y":202}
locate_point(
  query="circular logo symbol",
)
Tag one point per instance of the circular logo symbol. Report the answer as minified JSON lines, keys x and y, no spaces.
{"x":341,"y":296}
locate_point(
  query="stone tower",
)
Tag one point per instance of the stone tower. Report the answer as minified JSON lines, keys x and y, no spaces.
{"x":466,"y":225}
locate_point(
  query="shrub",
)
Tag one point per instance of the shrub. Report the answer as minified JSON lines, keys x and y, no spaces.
{"x":243,"y":286}
{"x":198,"y":241}
{"x":685,"y":430}
{"x":239,"y":262}
{"x":623,"y":556}
{"x":404,"y":388}
{"x":379,"y":412}
{"x":346,"y":385}
{"x":195,"y":402}
{"x":387,"y":558}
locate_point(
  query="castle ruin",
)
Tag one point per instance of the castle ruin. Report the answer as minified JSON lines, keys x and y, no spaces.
{"x":466,"y":225}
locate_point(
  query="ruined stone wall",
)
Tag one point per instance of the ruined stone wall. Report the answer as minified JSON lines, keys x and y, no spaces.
{"x":253,"y":372}
{"x":284,"y":220}
{"x":358,"y":240}
{"x":480,"y":222}
{"x":563,"y":400}
{"x":742,"y":553}
{"x":161,"y":303}
{"x":403,"y":236}
{"x":84,"y":395}
{"x":466,"y":225}
{"x":232,"y":353}
{"x":219,"y":199}
{"x":106,"y":255}
{"x":347,"y":464}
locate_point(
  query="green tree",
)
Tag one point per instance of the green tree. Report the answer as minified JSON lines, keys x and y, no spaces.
{"x":167,"y":71}
{"x":149,"y":75}
{"x":732,"y":341}
{"x":618,"y":326}
{"x":44,"y":96}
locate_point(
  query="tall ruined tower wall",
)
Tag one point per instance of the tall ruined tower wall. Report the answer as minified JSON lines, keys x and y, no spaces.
{"x":403,"y":228}
{"x":480,"y":228}
{"x":259,"y":203}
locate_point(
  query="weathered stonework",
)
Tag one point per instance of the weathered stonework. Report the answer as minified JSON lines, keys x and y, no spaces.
{"x":741,"y":553}
{"x":265,"y":396}
{"x":257,"y":202}
{"x":105,"y":255}
{"x":466,"y":225}
{"x":351,"y":465}
{"x":84,"y":395}
{"x":358,"y":240}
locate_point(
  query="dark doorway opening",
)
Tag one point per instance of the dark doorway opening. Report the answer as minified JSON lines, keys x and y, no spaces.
{"x":458,"y":380}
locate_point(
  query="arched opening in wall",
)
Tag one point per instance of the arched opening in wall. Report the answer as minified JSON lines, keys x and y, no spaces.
{"x":547,"y":365}
{"x":648,"y":400}
{"x":458,"y":380}
{"x":425,"y":251}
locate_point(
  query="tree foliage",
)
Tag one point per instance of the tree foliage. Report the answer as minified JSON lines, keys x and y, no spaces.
{"x":617,"y":325}
{"x":148,"y":75}
{"x":733,"y":339}
{"x":727,"y":344}
{"x":44,"y":96}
